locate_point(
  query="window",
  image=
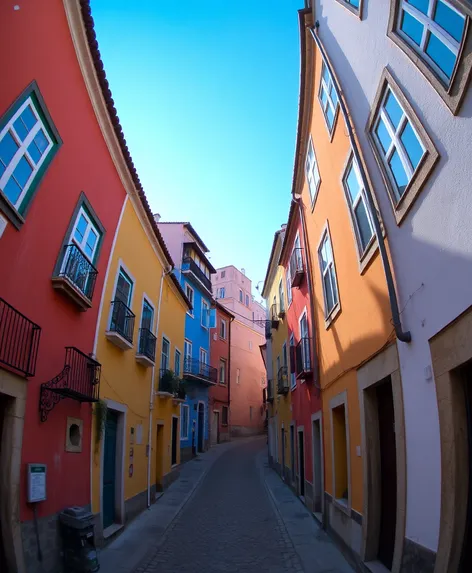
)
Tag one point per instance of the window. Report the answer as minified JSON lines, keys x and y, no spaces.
{"x":124,"y":288}
{"x":223,"y":326}
{"x":328,"y":98}
{"x":203,"y":356}
{"x":222,"y":292}
{"x":222,"y":371}
{"x":224,"y":416}
{"x":147,"y":316}
{"x":312,"y":172}
{"x":205,"y":314}
{"x":328,"y":274}
{"x":237,"y":375}
{"x":240,"y":295}
{"x":28,"y":142}
{"x":187,"y":349}
{"x":293,"y":378}
{"x":122,"y":318}
{"x":177,"y":359}
{"x":223,"y":274}
{"x":184,"y":421}
{"x":165,"y":354}
{"x":247,"y":300}
{"x":340,"y":446}
{"x":281,"y":296}
{"x":353,"y":6}
{"x":402,"y":148}
{"x":289,"y":286}
{"x":357,"y":200}
{"x":189,"y":293}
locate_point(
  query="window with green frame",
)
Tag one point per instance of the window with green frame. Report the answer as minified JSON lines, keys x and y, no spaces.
{"x":28,"y":143}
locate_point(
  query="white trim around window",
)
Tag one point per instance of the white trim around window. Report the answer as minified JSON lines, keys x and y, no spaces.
{"x":328,"y":99}
{"x":205,"y":317}
{"x":178,"y":352}
{"x":312,"y":172}
{"x":293,"y":375}
{"x":184,"y":428}
{"x":223,"y":329}
{"x":328,"y":276}
{"x":191,"y":299}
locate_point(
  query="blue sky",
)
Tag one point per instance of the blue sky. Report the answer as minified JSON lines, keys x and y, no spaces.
{"x":207,"y":94}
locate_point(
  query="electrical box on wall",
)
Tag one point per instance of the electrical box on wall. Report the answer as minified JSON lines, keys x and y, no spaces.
{"x":36,"y":482}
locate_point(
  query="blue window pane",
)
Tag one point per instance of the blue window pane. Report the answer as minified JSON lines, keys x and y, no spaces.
{"x":324,"y":97}
{"x":412,"y":145}
{"x":325,"y":74}
{"x":398,"y":172}
{"x":441,"y":55}
{"x":450,"y":20}
{"x":384,"y":137}
{"x":393,"y":109}
{"x":333,"y":284}
{"x":20,"y":129}
{"x":330,"y":116}
{"x":34,"y":152}
{"x":41,"y":141}
{"x":354,"y":3}
{"x":22,"y":172}
{"x":329,"y":293}
{"x":91,"y":242}
{"x":412,"y":28}
{"x":12,"y":190}
{"x":352,"y":184}
{"x":29,"y":119}
{"x":421,"y":5}
{"x":363,"y":224}
{"x":80,"y":229}
{"x":8,"y":148}
{"x":334,"y":96}
{"x":324,"y":257}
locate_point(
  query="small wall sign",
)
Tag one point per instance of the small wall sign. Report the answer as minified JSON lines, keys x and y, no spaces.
{"x":36,"y":482}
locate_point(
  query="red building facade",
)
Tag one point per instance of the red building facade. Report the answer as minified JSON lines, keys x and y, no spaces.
{"x":60,"y":204}
{"x":303,"y":376}
{"x":220,"y":358}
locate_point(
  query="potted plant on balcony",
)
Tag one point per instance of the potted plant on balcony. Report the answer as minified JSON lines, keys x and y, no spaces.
{"x":180,"y":394}
{"x":169,"y":382}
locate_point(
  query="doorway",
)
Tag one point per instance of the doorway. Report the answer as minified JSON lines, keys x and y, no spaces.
{"x":292,"y":452}
{"x":174,"y":438}
{"x":201,"y":426}
{"x":159,"y":456}
{"x":215,"y":428}
{"x":282,"y":440}
{"x":466,"y":555}
{"x":109,"y":469}
{"x":3,"y":472}
{"x":317,"y":441}
{"x":301,"y":462}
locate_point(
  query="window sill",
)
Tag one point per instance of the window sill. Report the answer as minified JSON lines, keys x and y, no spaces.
{"x":145,"y":360}
{"x":352,"y":9}
{"x":118,"y":340}
{"x":66,"y":286}
{"x":343,"y":505}
{"x":332,"y":316}
{"x":10,"y":212}
{"x":368,"y":255}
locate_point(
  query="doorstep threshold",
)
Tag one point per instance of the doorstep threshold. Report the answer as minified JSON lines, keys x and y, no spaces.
{"x":112,"y":529}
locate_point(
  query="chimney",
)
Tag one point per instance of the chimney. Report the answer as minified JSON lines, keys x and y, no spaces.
{"x":243,"y":271}
{"x":157,"y":217}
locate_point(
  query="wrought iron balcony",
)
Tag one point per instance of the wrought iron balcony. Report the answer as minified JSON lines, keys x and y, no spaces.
{"x":170,"y":384}
{"x":76,"y":277}
{"x":274,"y":316}
{"x":194,"y":369}
{"x":146,"y":354}
{"x":297,"y":269}
{"x":188,"y":264}
{"x":282,"y":380}
{"x":19,"y":340}
{"x":303,"y":361}
{"x":79,"y":380}
{"x":270,"y":391}
{"x":121,"y":328}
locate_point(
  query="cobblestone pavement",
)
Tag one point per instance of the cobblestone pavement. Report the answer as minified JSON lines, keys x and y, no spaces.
{"x":229,"y":525}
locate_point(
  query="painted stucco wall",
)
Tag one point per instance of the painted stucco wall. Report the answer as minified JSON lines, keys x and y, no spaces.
{"x":432,"y":244}
{"x":173,"y":234}
{"x":219,"y":348}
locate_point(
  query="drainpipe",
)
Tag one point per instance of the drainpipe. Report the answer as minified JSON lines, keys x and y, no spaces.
{"x":403,"y":336}
{"x":151,"y":399}
{"x":229,"y":378}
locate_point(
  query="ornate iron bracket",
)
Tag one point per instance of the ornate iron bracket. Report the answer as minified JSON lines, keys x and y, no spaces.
{"x":48,"y":398}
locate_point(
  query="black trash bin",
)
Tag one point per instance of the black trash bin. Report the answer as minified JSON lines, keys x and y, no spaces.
{"x":80,"y":553}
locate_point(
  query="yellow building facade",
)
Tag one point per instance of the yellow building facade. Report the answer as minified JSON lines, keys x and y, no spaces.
{"x":279,"y":397}
{"x":134,"y":427}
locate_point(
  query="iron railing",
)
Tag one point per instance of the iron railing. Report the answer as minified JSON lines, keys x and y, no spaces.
{"x":296,"y":266}
{"x":19,"y":340}
{"x":196,"y":368}
{"x":171,"y":384}
{"x":122,"y":320}
{"x":79,"y":270}
{"x":79,"y":380}
{"x":274,"y":316}
{"x":304,"y":365}
{"x":147,"y":344}
{"x":282,"y":380}
{"x":196,"y":270}
{"x":268,"y":332}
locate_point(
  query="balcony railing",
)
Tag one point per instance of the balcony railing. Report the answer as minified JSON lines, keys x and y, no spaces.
{"x":193,"y":368}
{"x":270,"y":391}
{"x":170,"y":383}
{"x":189,"y":264}
{"x":79,"y":380}
{"x":122,"y":320}
{"x":19,"y":340}
{"x":296,"y":267}
{"x":79,"y":271}
{"x":274,"y":316}
{"x":147,"y":344}
{"x":268,"y":332}
{"x":304,"y":364}
{"x":282,"y":380}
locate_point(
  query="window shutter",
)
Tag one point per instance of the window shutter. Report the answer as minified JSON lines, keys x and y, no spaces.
{"x":292,"y":359}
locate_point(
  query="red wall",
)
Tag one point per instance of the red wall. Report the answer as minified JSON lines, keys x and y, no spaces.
{"x":305,"y":399}
{"x":40,"y":48}
{"x":219,"y":348}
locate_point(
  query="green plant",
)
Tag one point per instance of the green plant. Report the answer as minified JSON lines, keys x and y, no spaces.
{"x":181,"y":390}
{"x":169,"y":382}
{"x":100,"y":412}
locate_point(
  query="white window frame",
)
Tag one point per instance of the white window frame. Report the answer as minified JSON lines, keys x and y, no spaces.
{"x":293,"y":375}
{"x":91,"y":226}
{"x":238,"y":374}
{"x":184,"y":436}
{"x":329,"y":101}
{"x":177,"y":352}
{"x":192,"y":300}
{"x":312,"y":172}
{"x":396,"y":143}
{"x":241,"y":296}
{"x":430,"y":26}
{"x":222,"y":292}
{"x":361,"y":197}
{"x":187,"y":345}
{"x":281,"y":296}
{"x":164,"y":337}
{"x":223,"y":329}
{"x":122,"y":268}
{"x":327,"y":236}
{"x":23,"y":150}
{"x":203,"y":354}
{"x":205,"y":318}
{"x":224,"y":363}
{"x":289,"y":285}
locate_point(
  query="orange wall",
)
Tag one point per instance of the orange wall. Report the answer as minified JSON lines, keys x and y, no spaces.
{"x":363,"y":324}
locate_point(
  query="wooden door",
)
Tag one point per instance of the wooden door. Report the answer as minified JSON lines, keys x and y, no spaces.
{"x":175,"y":429}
